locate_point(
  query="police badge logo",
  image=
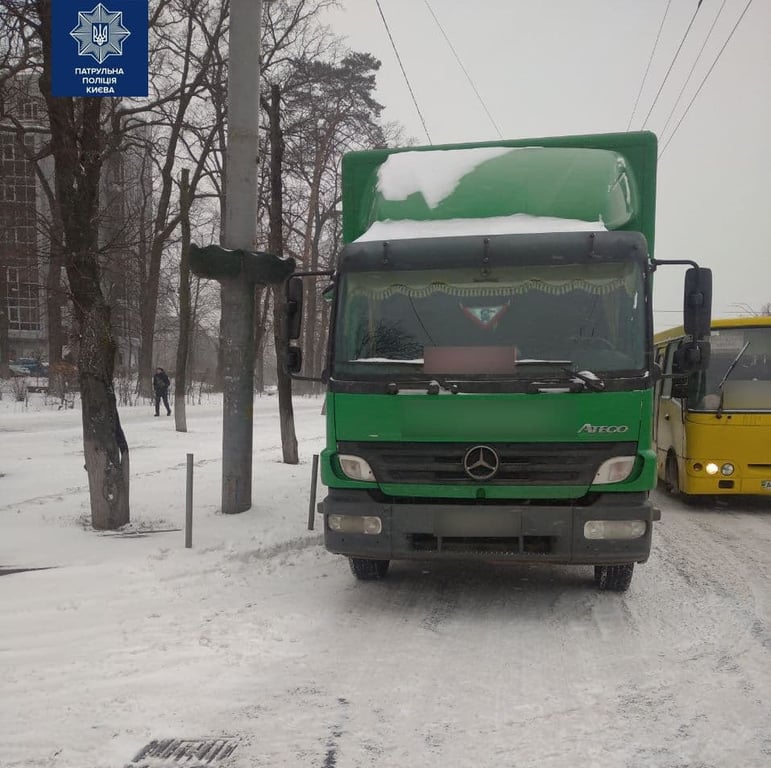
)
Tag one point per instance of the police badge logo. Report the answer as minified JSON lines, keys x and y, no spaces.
{"x":100,"y":33}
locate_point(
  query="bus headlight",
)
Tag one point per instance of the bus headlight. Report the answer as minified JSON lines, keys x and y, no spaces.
{"x":615,"y":470}
{"x":727,"y":469}
{"x":712,"y":468}
{"x":356,"y":468}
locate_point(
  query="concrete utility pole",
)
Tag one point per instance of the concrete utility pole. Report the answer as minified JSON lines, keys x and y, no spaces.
{"x":240,"y":233}
{"x":237,"y":266}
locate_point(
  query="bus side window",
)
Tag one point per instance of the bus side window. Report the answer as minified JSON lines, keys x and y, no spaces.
{"x":659,"y":360}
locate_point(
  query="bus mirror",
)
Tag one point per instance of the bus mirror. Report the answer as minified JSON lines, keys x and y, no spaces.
{"x":294,"y":307}
{"x":697,"y":302}
{"x":690,"y":357}
{"x":293,"y":360}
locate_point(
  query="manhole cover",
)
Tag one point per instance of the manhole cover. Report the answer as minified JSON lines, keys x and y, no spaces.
{"x":190,"y":753}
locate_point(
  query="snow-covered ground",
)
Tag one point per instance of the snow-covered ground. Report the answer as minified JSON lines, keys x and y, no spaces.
{"x":259,"y":635}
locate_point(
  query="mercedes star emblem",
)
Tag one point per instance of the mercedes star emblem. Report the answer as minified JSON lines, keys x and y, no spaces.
{"x":481,"y":462}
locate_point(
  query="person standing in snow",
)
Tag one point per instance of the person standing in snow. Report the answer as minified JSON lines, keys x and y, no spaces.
{"x":161,"y":385}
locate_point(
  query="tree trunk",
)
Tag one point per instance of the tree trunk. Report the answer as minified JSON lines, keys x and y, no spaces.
{"x":276,"y":246}
{"x":262,"y":307}
{"x":148,"y":309}
{"x":180,"y":371}
{"x":104,"y":444}
{"x":77,"y":148}
{"x":54,"y":295}
{"x":311,"y":261}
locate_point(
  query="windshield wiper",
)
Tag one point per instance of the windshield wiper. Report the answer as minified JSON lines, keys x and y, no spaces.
{"x":728,"y":372}
{"x":535,"y":362}
{"x":588,"y":379}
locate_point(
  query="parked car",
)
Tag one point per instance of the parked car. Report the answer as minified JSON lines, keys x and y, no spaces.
{"x":28,"y":366}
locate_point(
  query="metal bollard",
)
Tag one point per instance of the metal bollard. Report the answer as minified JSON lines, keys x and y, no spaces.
{"x":189,"y":503}
{"x":314,"y":480}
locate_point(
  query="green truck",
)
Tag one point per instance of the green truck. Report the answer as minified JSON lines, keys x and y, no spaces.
{"x":490,"y":373}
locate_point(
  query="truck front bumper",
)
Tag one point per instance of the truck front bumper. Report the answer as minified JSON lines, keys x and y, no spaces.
{"x":552,"y":533}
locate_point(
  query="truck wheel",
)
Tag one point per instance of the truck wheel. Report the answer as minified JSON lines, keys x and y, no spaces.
{"x":614,"y":578}
{"x":368,"y":570}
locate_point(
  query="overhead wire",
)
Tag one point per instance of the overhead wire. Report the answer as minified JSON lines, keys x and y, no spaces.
{"x":672,"y":63}
{"x":647,"y":69}
{"x":706,"y":77}
{"x":693,"y":67}
{"x":465,"y":71}
{"x":404,"y":72}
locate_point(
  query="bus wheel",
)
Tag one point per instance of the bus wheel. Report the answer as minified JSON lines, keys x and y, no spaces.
{"x":614,"y":578}
{"x":368,"y":570}
{"x":672,"y":475}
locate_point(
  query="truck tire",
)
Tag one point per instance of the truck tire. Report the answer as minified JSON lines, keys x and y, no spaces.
{"x":614,"y":578}
{"x":368,"y":570}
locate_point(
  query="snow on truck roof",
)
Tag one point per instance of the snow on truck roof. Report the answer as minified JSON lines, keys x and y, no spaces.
{"x":518,"y":223}
{"x":434,"y":174}
{"x":435,"y":177}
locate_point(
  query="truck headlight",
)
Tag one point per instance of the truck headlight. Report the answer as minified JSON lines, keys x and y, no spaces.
{"x":615,"y":470}
{"x":356,"y":468}
{"x":712,"y":468}
{"x":727,"y":469}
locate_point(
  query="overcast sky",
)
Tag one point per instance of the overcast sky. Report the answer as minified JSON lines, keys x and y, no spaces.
{"x":556,"y":67}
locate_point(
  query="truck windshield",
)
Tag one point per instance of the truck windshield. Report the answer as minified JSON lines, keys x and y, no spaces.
{"x":747,"y":385}
{"x":467,"y":323}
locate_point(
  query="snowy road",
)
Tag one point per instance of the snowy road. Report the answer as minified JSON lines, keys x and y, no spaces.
{"x":502,"y":666}
{"x":259,"y":634}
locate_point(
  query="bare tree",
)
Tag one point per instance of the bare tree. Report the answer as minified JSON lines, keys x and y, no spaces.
{"x":185,"y":309}
{"x":78,"y":146}
{"x":188,"y":36}
{"x":276,"y":246}
{"x":331,"y":110}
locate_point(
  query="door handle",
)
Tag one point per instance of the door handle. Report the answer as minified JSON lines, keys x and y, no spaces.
{"x":666,"y":417}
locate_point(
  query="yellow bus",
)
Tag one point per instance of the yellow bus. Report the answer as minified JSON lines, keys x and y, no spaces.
{"x":713,"y":428}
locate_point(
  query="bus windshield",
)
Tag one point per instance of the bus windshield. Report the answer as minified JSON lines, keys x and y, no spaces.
{"x":739,"y":372}
{"x":463,"y":322}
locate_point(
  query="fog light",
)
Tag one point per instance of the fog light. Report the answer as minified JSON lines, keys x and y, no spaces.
{"x":698,"y":467}
{"x":614,"y":529}
{"x":355,"y":524}
{"x":727,"y":469}
{"x":712,"y":468}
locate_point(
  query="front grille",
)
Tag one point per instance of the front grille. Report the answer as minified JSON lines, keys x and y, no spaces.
{"x":520,"y":463}
{"x":481,"y":545}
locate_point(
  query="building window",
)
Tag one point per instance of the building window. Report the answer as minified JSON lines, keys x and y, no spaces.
{"x":30,"y":110}
{"x":23,"y":301}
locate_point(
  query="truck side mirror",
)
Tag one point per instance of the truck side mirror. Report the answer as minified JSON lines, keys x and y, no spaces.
{"x":294,"y":307}
{"x":697,"y":302}
{"x":293,"y":360}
